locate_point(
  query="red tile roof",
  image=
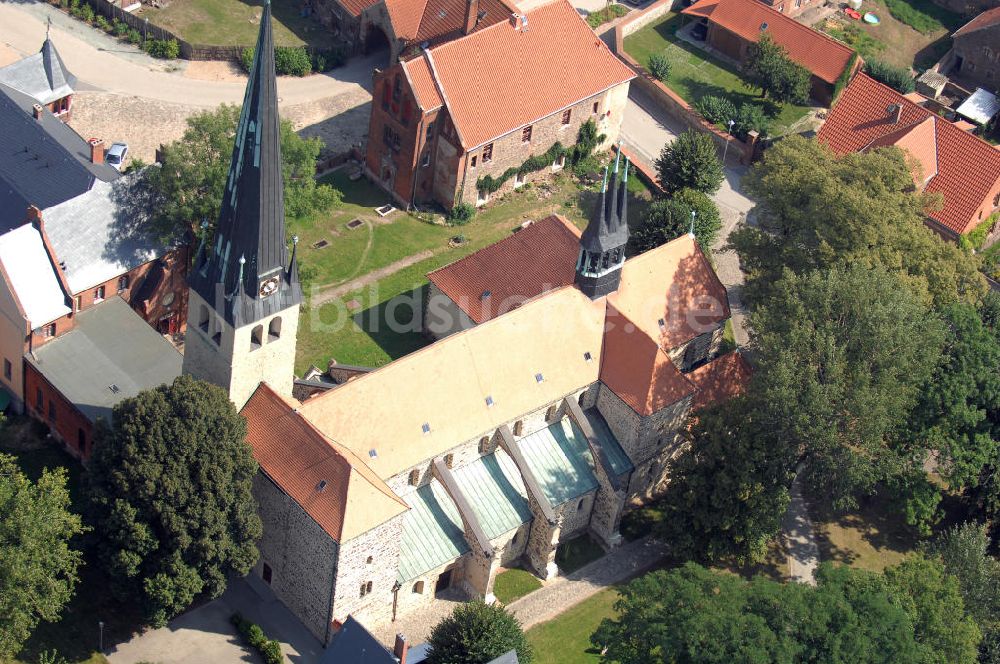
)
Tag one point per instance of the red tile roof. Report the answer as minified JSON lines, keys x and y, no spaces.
{"x":355,"y":7}
{"x":822,"y":55}
{"x":499,"y":79}
{"x":298,"y":458}
{"x":422,"y":82}
{"x":720,"y":380}
{"x":427,"y":20}
{"x":530,"y":262}
{"x":989,"y":18}
{"x":968,"y":168}
{"x":634,"y":367}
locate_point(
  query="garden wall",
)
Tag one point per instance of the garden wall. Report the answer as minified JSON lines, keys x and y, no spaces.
{"x":668,"y":100}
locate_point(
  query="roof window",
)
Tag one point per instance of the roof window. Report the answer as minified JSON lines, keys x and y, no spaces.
{"x":661,"y":323}
{"x":321,"y":486}
{"x":489,"y":400}
{"x":372,"y":453}
{"x":539,"y":378}
{"x":587,"y":356}
{"x":486,"y":295}
{"x":763,"y":26}
{"x":425,"y":427}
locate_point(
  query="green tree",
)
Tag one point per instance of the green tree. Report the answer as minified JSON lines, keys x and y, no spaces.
{"x":38,"y":567}
{"x":842,"y":357}
{"x":690,"y":161}
{"x":769,"y":68}
{"x":945,"y":632}
{"x":170,"y":493}
{"x":728,"y":490}
{"x":669,"y":218}
{"x":691,"y":615}
{"x":187,"y":188}
{"x":818,"y":210}
{"x":964,"y":552}
{"x":476,"y":633}
{"x":895,"y":77}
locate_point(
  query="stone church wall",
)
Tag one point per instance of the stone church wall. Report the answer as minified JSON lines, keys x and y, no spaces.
{"x":301,"y":555}
{"x":371,"y":557}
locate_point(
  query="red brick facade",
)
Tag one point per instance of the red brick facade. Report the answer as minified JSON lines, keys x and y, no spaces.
{"x":46,"y":404}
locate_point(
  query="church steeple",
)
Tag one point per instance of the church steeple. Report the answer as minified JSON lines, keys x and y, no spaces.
{"x":243,"y":307}
{"x":602,"y":245}
{"x":251,"y":222}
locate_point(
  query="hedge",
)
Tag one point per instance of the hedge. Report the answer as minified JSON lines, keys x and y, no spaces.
{"x":269,"y":649}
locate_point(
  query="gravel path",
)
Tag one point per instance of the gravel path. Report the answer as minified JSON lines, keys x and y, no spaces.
{"x":800,"y":538}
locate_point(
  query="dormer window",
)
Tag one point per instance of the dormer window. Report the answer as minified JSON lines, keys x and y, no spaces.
{"x":539,"y":378}
{"x":425,"y":427}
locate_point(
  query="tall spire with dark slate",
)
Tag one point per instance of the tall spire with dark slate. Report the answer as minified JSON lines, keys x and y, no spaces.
{"x":245,"y":272}
{"x":602,"y":245}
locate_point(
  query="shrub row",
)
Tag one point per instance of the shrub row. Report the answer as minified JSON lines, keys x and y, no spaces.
{"x":296,"y":61}
{"x":609,"y":13}
{"x":167,"y":49}
{"x":895,"y":77}
{"x":747,"y":117}
{"x":269,"y":649}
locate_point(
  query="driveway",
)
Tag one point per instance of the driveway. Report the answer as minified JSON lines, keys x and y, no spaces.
{"x":205,"y":634}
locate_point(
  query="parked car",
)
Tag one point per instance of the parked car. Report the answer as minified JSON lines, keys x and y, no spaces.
{"x":116,"y":155}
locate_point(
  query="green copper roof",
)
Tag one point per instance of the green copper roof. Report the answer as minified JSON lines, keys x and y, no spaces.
{"x":561,"y":461}
{"x":432,"y":532}
{"x":620,"y":463}
{"x":496,"y":493}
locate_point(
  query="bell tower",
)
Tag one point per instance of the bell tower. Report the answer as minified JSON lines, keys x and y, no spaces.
{"x":602,"y":245}
{"x":244,"y":298}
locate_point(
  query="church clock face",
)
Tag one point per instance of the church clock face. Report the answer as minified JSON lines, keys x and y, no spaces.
{"x":268,"y":286}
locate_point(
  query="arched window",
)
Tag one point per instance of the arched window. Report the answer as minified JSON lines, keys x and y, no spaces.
{"x":256,"y":337}
{"x":418,"y":587}
{"x":579,"y":505}
{"x":518,"y":427}
{"x":274,"y":328}
{"x":203,"y":318}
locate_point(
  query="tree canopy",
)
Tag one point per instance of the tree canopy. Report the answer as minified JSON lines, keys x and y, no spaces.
{"x":691,"y":615}
{"x":476,"y":633}
{"x":818,"y":210}
{"x":690,"y":161}
{"x":170,"y":492}
{"x":769,"y":68}
{"x":187,"y":188}
{"x":38,"y":565}
{"x":668,"y":218}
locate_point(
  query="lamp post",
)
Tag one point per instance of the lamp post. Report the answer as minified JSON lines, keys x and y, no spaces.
{"x":100,"y":639}
{"x":145,"y":31}
{"x":729,"y":133}
{"x":693,"y":215}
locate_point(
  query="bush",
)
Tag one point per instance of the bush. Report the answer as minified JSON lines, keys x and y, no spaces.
{"x":609,"y":13}
{"x":133,"y":36}
{"x":270,"y":649}
{"x":659,"y":66}
{"x":461,"y":214}
{"x":750,"y":117}
{"x":120,"y":29}
{"x":86,"y":13}
{"x":246,"y":59}
{"x":717,"y":110}
{"x":327,"y":60}
{"x":897,"y":78}
{"x":291,"y":61}
{"x":167,"y":49}
{"x":102,"y":23}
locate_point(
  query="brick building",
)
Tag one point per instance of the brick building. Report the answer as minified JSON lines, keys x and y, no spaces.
{"x":438,"y":127}
{"x":44,"y":78}
{"x":733,"y":25}
{"x":976,"y":51}
{"x":963,"y":168}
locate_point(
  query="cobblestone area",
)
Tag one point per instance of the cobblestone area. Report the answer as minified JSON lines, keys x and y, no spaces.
{"x":554,"y":597}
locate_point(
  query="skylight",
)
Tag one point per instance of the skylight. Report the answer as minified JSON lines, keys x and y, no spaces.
{"x":489,"y":400}
{"x":539,"y":378}
{"x":425,"y":427}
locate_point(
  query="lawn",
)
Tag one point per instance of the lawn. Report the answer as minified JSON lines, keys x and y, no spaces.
{"x":383,"y":322}
{"x":695,"y":74}
{"x":75,"y":636}
{"x":573,"y":554}
{"x":873,"y":537}
{"x":911,"y":33}
{"x":512,"y":584}
{"x":235,"y":22}
{"x":566,"y":638}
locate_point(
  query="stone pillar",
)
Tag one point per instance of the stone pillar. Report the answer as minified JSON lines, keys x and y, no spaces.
{"x":543,"y":537}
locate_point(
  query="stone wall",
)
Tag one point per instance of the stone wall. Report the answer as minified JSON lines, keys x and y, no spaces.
{"x":574,"y":515}
{"x":301,"y":555}
{"x":372,"y":557}
{"x":442,"y":315}
{"x":642,"y":438}
{"x":509,"y":151}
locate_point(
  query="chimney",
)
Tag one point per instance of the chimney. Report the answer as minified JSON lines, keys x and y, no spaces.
{"x":471,"y":15}
{"x":34,"y":215}
{"x":96,"y":150}
{"x":400,"y":648}
{"x":36,"y":110}
{"x":515,"y":20}
{"x":895,"y":112}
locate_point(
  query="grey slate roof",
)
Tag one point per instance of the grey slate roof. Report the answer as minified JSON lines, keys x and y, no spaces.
{"x":42,"y":76}
{"x":99,"y":234}
{"x":42,"y":162}
{"x":354,"y":644}
{"x":608,"y":228}
{"x":249,"y":244}
{"x":110,"y":345}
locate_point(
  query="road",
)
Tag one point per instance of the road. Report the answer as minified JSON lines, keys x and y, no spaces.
{"x":645,"y":130}
{"x":105,"y":64}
